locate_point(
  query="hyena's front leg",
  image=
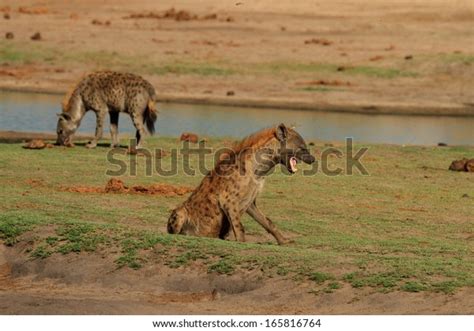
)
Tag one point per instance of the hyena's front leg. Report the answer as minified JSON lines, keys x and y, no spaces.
{"x":114,"y":118}
{"x":233,"y":216}
{"x":99,"y":129}
{"x":266,"y":223}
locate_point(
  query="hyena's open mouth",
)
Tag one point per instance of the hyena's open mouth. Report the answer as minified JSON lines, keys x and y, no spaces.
{"x":293,"y":162}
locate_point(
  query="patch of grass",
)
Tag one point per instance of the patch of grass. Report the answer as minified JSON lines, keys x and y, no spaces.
{"x":41,"y":252}
{"x":190,"y":69}
{"x":385,"y":279}
{"x":77,"y":237}
{"x":457,"y":58}
{"x":129,"y":259}
{"x":320,"y":277}
{"x":379,"y":72}
{"x":413,"y":287}
{"x":317,"y":89}
{"x":370,"y":71}
{"x":447,"y":287}
{"x":223,"y":266}
{"x":186,"y":257}
{"x":51,"y":240}
{"x":11,"y":227}
{"x":11,"y":52}
{"x":332,"y":287}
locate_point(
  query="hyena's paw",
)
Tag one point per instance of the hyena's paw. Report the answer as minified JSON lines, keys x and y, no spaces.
{"x":285,"y":241}
{"x":91,"y":144}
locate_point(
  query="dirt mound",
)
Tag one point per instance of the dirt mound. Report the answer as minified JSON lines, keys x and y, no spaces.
{"x":462,"y":165}
{"x":189,"y":136}
{"x":325,"y":83}
{"x":117,"y":186}
{"x":317,"y":41}
{"x":99,"y":22}
{"x":37,"y":144}
{"x":33,"y":11}
{"x":36,"y":36}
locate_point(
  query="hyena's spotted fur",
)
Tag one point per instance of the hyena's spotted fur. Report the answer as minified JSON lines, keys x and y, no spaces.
{"x":108,"y":92}
{"x":231,"y":189}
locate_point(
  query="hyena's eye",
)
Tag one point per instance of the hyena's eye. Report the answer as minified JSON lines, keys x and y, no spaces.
{"x":60,"y":131}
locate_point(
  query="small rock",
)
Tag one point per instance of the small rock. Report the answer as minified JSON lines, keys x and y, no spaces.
{"x":311,"y":143}
{"x":9,"y":35}
{"x":442,"y":144}
{"x":408,"y":57}
{"x":36,"y":36}
{"x":230,"y":93}
{"x":465,"y":195}
{"x":6,"y":16}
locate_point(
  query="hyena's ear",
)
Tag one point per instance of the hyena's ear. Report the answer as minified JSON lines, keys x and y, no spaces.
{"x":64,"y":116}
{"x":281,"y":132}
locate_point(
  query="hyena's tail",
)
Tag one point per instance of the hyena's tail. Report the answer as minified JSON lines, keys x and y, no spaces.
{"x":150,"y":115}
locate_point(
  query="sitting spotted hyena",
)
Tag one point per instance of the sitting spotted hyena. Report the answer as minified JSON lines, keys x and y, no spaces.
{"x":231,"y":189}
{"x":108,"y":92}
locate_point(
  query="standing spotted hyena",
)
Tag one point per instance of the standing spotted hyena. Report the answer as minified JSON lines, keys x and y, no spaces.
{"x":108,"y":92}
{"x":231,"y":189}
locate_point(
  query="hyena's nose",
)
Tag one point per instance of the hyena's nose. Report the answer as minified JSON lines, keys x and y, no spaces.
{"x":308,"y":158}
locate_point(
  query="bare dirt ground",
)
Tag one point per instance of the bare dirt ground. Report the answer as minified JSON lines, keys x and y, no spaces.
{"x":74,"y":284}
{"x":367,"y":56}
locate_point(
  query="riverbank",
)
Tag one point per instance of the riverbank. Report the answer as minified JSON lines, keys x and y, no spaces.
{"x":387,"y":57}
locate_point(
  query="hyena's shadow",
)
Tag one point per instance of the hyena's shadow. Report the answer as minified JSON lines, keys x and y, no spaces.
{"x":102,"y":145}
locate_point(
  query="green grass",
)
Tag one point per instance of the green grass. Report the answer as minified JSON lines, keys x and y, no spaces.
{"x":331,"y":68}
{"x":14,"y":52}
{"x":11,"y":52}
{"x":320,"y":277}
{"x":405,"y":227}
{"x":317,"y":89}
{"x":455,"y":58}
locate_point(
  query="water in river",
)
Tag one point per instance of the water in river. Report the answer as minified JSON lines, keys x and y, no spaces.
{"x":37,"y":112}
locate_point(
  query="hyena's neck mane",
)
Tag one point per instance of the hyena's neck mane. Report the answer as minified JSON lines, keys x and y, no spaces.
{"x":255,"y":141}
{"x":247,"y":148}
{"x":69,"y":99}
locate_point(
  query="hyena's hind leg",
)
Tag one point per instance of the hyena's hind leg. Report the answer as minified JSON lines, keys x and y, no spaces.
{"x":114,"y":118}
{"x":138,"y":122}
{"x":177,"y":222}
{"x":136,"y":109}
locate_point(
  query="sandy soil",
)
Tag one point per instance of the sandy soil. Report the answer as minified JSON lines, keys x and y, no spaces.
{"x":433,"y":38}
{"x":91,"y":284}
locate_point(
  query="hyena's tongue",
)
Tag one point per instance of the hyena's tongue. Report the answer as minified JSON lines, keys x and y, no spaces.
{"x":293,"y":164}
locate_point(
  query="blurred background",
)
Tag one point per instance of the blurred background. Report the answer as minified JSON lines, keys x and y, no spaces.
{"x":352,"y":61}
